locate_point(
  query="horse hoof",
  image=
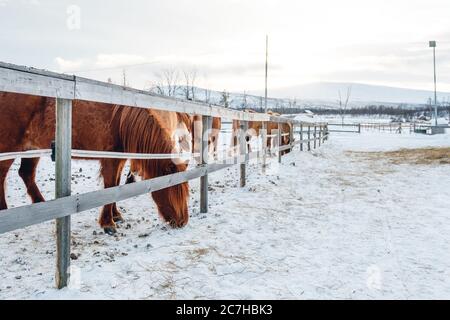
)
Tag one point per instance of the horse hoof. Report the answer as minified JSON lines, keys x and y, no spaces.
{"x":110,"y":230}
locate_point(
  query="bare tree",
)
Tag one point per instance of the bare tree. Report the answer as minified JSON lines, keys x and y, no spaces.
{"x":225,"y":99}
{"x":343,"y":105}
{"x":244,"y":101}
{"x":190,"y":76}
{"x":166,"y":82}
{"x":124,"y":78}
{"x":207,"y":95}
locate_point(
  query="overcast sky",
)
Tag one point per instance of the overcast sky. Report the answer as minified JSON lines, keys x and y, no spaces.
{"x":366,"y":41}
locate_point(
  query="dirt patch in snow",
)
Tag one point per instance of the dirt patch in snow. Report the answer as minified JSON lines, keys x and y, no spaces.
{"x":420,"y":156}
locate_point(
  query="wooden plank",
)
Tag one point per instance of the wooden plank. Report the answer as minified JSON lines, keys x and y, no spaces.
{"x":204,"y":158}
{"x":28,"y":215}
{"x":309,"y":138}
{"x":301,"y":137}
{"x":35,"y":83}
{"x":243,"y":150}
{"x":92,"y":90}
{"x":315,"y":137}
{"x":19,"y":79}
{"x":126,"y":155}
{"x":291,"y":136}
{"x":279,"y":142}
{"x":63,"y":145}
{"x":25,"y":154}
{"x":320,"y":135}
{"x":264,"y":146}
{"x":348,"y":131}
{"x":283,"y":148}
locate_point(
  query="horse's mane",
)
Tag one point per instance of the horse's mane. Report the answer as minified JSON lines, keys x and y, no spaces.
{"x":140,"y":132}
{"x":185,"y":118}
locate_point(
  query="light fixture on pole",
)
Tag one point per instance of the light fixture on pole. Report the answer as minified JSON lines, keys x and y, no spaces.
{"x":433,"y":45}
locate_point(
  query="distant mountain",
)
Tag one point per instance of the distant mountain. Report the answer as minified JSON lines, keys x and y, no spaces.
{"x":316,"y":95}
{"x":361,"y":93}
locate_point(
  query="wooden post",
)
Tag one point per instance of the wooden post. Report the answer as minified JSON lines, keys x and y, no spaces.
{"x":279,"y":142}
{"x":309,"y":137}
{"x":320,"y":135}
{"x":243,"y":150}
{"x":206,"y":121}
{"x":63,"y":146}
{"x":301,"y":136}
{"x":264,"y":145}
{"x":315,"y":135}
{"x":291,"y":136}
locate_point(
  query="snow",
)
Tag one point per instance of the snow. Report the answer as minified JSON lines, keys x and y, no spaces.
{"x":324,"y":224}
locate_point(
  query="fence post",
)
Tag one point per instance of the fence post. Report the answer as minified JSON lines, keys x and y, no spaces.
{"x":63,"y":146}
{"x":320,"y":135}
{"x":206,"y":121}
{"x":291,"y":136}
{"x":243,"y":150}
{"x":264,"y":145}
{"x":359,"y":127}
{"x":301,"y":136}
{"x":279,"y":142}
{"x":309,"y":137}
{"x":315,"y":135}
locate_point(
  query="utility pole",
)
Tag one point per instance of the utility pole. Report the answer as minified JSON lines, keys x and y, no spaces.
{"x":433,"y":45}
{"x":267,"y":57}
{"x":264,"y":124}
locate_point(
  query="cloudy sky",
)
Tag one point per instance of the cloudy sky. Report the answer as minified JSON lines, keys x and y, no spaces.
{"x":367,"y":41}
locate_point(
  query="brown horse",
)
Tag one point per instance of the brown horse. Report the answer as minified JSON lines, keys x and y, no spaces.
{"x":213,"y":135}
{"x":180,"y":125}
{"x":29,"y":123}
{"x":189,"y":129}
{"x":285,"y":129}
{"x":254,"y":128}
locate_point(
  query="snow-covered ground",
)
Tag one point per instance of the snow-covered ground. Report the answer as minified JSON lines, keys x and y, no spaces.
{"x":324,"y":224}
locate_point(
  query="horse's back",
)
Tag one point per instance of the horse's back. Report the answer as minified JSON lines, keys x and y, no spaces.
{"x":17,"y":112}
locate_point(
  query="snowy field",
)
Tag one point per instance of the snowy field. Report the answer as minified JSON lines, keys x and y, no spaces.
{"x":330,"y":224}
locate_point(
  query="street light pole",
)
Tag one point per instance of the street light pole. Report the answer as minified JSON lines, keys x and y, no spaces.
{"x":433,"y":45}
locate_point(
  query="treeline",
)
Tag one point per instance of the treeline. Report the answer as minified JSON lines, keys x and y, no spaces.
{"x":398,"y":111}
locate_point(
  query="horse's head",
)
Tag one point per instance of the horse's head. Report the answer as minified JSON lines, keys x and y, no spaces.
{"x":172,"y":202}
{"x":143,"y":131}
{"x":182,"y":138}
{"x":182,"y":135}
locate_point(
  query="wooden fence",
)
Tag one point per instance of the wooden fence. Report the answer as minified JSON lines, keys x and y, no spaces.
{"x":65,"y":89}
{"x":392,"y":127}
